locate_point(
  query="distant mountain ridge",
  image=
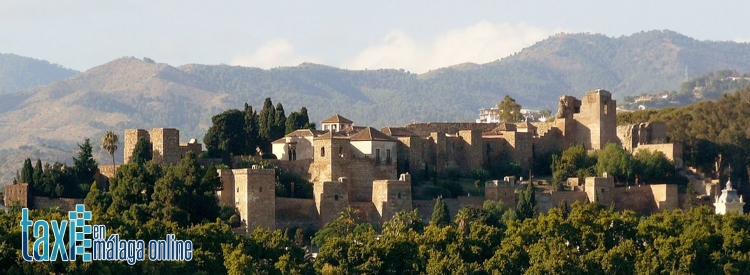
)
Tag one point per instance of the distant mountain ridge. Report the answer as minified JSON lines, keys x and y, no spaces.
{"x":48,"y":120}
{"x":18,"y":73}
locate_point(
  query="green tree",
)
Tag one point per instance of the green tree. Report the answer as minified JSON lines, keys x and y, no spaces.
{"x":109,"y":143}
{"x":38,"y":173}
{"x":187,"y":193}
{"x":227,"y":134}
{"x":653,"y":166}
{"x":27,"y":173}
{"x":440,"y":214}
{"x":616,"y":162}
{"x":526,"y":206}
{"x":509,"y":110}
{"x":279,"y":124}
{"x":84,"y":164}
{"x":251,"y":130}
{"x":142,"y":151}
{"x":291,"y":123}
{"x":266,"y":120}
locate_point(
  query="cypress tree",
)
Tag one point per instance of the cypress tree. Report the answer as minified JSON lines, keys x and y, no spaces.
{"x":279,"y":125}
{"x":38,"y":177}
{"x":440,"y":215}
{"x":304,"y":119}
{"x":527,"y":202}
{"x":266,"y":119}
{"x":27,"y":173}
{"x":251,"y":130}
{"x":291,"y":123}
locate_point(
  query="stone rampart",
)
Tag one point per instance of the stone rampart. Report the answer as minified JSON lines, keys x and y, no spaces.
{"x":301,"y":213}
{"x":65,"y":204}
{"x":425,"y":129}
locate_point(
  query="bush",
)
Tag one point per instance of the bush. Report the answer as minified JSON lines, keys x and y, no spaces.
{"x":453,"y":173}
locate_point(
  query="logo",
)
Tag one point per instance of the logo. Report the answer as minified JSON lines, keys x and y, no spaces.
{"x":91,"y":242}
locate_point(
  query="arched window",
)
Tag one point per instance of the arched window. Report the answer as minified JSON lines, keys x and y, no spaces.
{"x":322,"y":151}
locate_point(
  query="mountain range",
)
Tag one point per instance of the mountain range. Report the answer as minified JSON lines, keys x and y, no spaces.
{"x":47,"y":109}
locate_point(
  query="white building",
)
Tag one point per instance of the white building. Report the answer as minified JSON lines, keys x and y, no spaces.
{"x":728,"y":201}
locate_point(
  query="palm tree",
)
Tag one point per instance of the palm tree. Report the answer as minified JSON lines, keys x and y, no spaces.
{"x":109,"y":143}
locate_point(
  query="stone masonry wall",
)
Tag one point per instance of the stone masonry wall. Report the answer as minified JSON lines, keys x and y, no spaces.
{"x":392,"y":196}
{"x":331,"y":198}
{"x":166,"y":145}
{"x":671,"y":150}
{"x":255,"y":197}
{"x":301,"y":213}
{"x":362,"y":172}
{"x":646,"y":199}
{"x":425,"y":129}
{"x":65,"y":204}
{"x":16,"y":194}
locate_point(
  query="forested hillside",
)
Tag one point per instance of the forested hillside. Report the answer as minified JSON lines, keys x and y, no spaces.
{"x":709,"y":86}
{"x":714,"y":134}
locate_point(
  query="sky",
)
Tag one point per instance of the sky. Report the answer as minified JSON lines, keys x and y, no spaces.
{"x":413,"y":35}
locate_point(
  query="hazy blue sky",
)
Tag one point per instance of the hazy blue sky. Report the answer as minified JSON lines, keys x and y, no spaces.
{"x":413,"y":35}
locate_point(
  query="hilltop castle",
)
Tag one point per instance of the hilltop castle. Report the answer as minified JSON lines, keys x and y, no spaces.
{"x":368,"y":169}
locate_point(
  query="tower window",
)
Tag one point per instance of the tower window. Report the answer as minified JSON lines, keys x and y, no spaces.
{"x":335,"y":197}
{"x":341,"y":152}
{"x":399,"y":195}
{"x":260,"y":189}
{"x":322,"y":151}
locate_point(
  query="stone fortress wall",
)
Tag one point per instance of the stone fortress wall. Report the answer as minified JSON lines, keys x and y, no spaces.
{"x":343,"y":176}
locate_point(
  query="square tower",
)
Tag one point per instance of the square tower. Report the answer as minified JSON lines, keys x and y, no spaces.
{"x":255,"y":197}
{"x":597,"y":122}
{"x":166,"y":144}
{"x":131,"y":138}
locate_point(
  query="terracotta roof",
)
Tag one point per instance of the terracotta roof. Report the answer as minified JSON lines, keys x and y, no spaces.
{"x":337,"y":119}
{"x":397,"y":132}
{"x":351,"y":130}
{"x":370,"y":133}
{"x":301,"y":133}
{"x":281,"y":140}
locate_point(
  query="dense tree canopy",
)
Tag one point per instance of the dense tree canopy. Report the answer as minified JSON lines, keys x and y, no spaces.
{"x":509,"y":110}
{"x":242,"y":132}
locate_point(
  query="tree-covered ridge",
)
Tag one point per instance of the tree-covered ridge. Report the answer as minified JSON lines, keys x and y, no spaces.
{"x":18,"y":73}
{"x":710,"y":86}
{"x":714,"y":134}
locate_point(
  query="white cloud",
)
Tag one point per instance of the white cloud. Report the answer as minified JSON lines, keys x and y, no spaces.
{"x":274,"y":53}
{"x":742,"y":40}
{"x":480,"y":43}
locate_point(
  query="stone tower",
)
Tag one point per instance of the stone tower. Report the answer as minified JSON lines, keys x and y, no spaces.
{"x":166,"y":144}
{"x":330,"y":156}
{"x":392,"y":196}
{"x":131,"y":138}
{"x":728,"y":201}
{"x":596,"y":124}
{"x":255,"y":197}
{"x":331,"y":198}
